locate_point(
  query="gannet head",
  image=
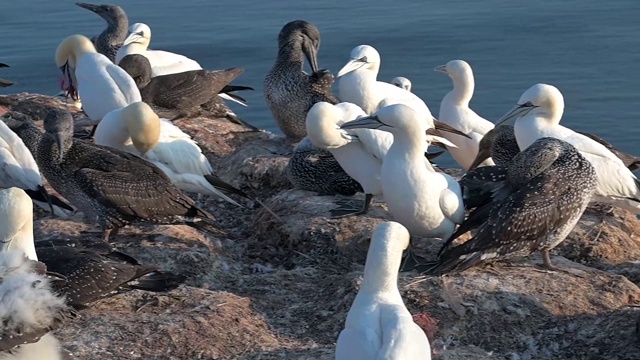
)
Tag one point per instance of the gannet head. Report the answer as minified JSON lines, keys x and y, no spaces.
{"x":307,"y":35}
{"x":456,"y":69}
{"x":392,"y":235}
{"x":138,"y":67}
{"x":16,"y":222}
{"x":139,"y":33}
{"x":67,"y":54}
{"x":502,"y":136}
{"x":143,"y":125}
{"x":402,"y":83}
{"x":323,"y":126}
{"x":362,"y":57}
{"x":58,"y":125}
{"x":110,"y":13}
{"x":540,"y":100}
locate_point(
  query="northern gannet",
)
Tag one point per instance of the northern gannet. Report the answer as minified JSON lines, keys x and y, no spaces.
{"x":401,"y":82}
{"x":111,"y":38}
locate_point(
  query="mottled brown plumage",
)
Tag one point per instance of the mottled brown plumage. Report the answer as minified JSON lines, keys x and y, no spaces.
{"x":113,"y":186}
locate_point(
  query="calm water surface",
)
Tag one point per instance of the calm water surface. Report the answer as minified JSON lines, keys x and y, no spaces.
{"x":589,"y":49}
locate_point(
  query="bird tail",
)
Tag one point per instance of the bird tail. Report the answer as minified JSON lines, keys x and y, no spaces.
{"x":202,"y":220}
{"x":227,"y":93}
{"x":151,"y":279}
{"x":447,"y":264}
{"x":236,"y":120}
{"x":57,"y":205}
{"x":221,"y":185}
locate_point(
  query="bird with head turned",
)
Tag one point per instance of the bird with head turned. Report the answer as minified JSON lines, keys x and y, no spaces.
{"x":111,"y":38}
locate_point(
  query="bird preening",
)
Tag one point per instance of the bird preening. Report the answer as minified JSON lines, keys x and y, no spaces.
{"x":522,"y":188}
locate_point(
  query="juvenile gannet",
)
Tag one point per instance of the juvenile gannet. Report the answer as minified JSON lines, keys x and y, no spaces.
{"x":3,"y":82}
{"x":538,"y":114}
{"x":288,"y":90}
{"x":401,"y":82}
{"x":162,"y":62}
{"x":455,"y":111}
{"x":551,"y":185}
{"x":426,"y":202}
{"x":184,"y":94}
{"x":136,"y":129}
{"x":378,"y":325}
{"x":114,"y":186}
{"x":111,"y":38}
{"x":102,"y":85}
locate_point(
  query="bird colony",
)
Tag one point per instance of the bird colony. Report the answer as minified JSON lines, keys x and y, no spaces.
{"x":524,"y":186}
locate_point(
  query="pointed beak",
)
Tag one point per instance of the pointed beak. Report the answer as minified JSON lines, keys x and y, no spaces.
{"x":59,"y":138}
{"x":312,"y":56}
{"x":90,"y":7}
{"x":516,"y":112}
{"x":440,"y":126}
{"x":132,"y":38}
{"x":483,"y":154}
{"x":433,"y":138}
{"x":352,"y":65}
{"x":365,"y":122}
{"x":441,"y":68}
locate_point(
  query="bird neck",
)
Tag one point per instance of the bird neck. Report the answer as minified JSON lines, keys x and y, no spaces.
{"x":291,"y":53}
{"x":23,"y":240}
{"x":116,"y":31}
{"x":381,"y":269}
{"x":462,"y":92}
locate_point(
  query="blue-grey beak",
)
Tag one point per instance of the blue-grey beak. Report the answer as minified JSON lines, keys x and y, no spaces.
{"x":366,"y":122}
{"x":516,"y":112}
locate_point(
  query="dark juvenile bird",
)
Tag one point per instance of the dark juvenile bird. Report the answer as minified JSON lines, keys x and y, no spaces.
{"x":314,"y":169}
{"x":111,"y":38}
{"x":288,"y":90}
{"x":30,"y":134}
{"x":113,"y":186}
{"x":93,"y":270}
{"x":3,"y":82}
{"x":551,"y":186}
{"x":184,"y":94}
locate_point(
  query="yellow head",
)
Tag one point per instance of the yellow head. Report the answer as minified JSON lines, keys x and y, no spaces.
{"x":71,"y":48}
{"x":143,"y":125}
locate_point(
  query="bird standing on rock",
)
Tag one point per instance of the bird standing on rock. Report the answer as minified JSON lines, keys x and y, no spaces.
{"x":113,"y":186}
{"x":288,"y":90}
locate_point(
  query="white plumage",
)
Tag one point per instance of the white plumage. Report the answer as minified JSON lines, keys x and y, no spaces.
{"x":102,"y":85}
{"x":138,"y":130}
{"x":16,"y":222}
{"x":162,"y":62}
{"x":538,"y":115}
{"x":426,"y":202}
{"x":401,"y":82}
{"x":18,"y":168}
{"x":455,"y":111}
{"x":378,"y":325}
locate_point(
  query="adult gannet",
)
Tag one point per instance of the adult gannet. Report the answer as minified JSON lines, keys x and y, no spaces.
{"x":114,"y":186}
{"x":111,"y":38}
{"x":455,"y":111}
{"x":138,"y":130}
{"x":288,"y":90}
{"x":162,"y":62}
{"x":538,"y":114}
{"x":378,"y":325}
{"x":426,"y":202}
{"x":550,"y":185}
{"x":401,"y":82}
{"x":102,"y":85}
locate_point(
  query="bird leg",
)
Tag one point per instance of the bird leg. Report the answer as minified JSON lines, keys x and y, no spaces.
{"x":546,"y":263}
{"x":345,"y":211}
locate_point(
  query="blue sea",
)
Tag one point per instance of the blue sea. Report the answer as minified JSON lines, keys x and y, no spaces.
{"x":589,"y":49}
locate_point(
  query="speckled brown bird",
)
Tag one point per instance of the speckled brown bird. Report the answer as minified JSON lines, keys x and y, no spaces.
{"x":288,"y":90}
{"x":113,"y":186}
{"x":110,"y":39}
{"x":93,"y":270}
{"x":551,"y":185}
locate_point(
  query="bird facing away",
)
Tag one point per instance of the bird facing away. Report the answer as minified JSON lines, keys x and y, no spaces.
{"x":162,"y":62}
{"x":538,"y":114}
{"x":93,"y":270}
{"x":30,"y":135}
{"x":102,"y":85}
{"x":110,"y":39}
{"x":136,"y":129}
{"x":455,"y":111}
{"x":401,"y":82}
{"x":551,"y":184}
{"x":30,"y":309}
{"x":183,"y":94}
{"x":431,"y":211}
{"x":313,"y":169}
{"x":499,"y":144}
{"x":378,"y":325}
{"x":3,"y":82}
{"x":288,"y":90}
{"x":113,"y":186}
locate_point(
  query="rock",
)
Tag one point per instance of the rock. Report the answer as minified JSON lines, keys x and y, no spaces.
{"x":279,"y":285}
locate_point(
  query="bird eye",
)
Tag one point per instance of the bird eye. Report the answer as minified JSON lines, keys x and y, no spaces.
{"x":528,"y":104}
{"x":363,"y":59}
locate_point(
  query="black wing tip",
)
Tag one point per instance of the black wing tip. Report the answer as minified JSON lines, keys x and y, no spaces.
{"x":220,"y":184}
{"x":236,"y":120}
{"x":158,"y":281}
